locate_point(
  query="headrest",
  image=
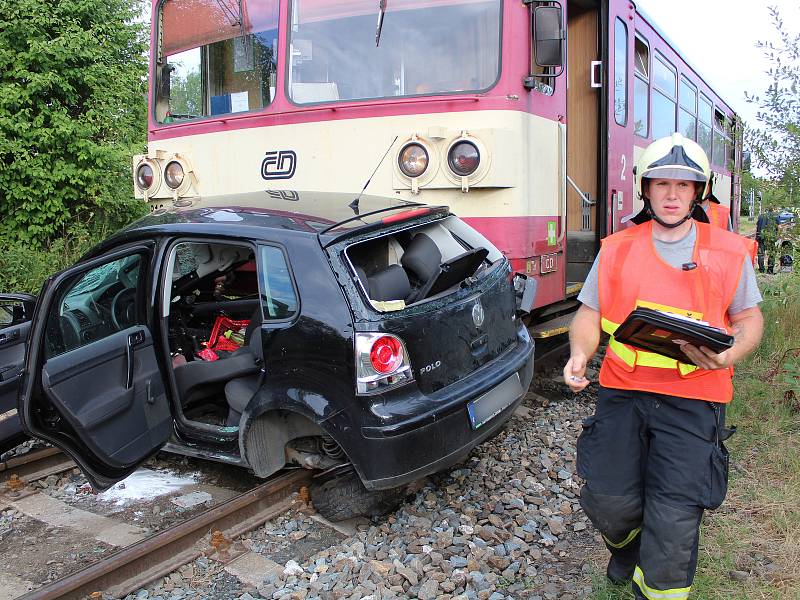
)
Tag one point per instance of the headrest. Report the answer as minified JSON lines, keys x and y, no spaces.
{"x":422,"y":257}
{"x":390,"y":283}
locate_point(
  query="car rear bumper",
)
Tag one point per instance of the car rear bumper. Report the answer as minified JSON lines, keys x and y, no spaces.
{"x":432,"y":439}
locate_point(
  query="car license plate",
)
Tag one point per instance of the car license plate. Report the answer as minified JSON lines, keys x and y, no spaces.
{"x":548,"y":263}
{"x":484,"y":409}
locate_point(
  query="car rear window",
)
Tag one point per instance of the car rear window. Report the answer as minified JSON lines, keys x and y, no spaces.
{"x":415,"y":264}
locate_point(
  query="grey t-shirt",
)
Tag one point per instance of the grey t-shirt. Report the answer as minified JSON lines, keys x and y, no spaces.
{"x":676,"y":254}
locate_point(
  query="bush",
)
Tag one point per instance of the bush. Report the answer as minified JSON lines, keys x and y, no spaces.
{"x":72,"y":113}
{"x":24,"y":267}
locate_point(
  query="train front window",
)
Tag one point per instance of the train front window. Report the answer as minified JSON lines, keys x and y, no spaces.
{"x":426,"y":47}
{"x":215,"y":57}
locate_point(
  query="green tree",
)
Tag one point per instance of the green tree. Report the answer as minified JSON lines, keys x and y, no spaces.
{"x":775,"y":142}
{"x":72,"y":113}
{"x":186,"y":94}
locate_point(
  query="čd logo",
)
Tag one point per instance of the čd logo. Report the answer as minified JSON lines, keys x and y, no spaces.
{"x":279,"y":164}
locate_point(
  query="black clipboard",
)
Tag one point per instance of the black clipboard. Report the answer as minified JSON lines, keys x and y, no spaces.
{"x":662,"y":333}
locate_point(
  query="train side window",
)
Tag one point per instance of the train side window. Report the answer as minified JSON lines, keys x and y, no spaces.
{"x":704,"y":115}
{"x":664,"y":97}
{"x":641,"y":92}
{"x":687,"y":124}
{"x":620,"y":72}
{"x":721,"y":139}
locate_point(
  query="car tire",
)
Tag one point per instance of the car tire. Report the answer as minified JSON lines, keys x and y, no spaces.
{"x":341,"y":495}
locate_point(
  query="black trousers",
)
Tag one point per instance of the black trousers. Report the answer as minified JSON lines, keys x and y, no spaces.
{"x":770,"y":252}
{"x":651,"y":465}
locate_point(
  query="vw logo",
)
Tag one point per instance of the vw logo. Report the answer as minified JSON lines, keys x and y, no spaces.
{"x":477,"y":314}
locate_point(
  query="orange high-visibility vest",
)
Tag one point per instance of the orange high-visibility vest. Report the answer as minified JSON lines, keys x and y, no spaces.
{"x":752,"y":248}
{"x":632,"y":275}
{"x":718,"y":215}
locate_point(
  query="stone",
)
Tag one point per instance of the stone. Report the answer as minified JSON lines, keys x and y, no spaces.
{"x":428,"y":590}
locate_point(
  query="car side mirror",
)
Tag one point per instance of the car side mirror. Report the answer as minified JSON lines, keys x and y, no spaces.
{"x":549,"y":37}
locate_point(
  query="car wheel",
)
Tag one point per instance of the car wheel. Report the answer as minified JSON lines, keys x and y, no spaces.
{"x":341,"y":495}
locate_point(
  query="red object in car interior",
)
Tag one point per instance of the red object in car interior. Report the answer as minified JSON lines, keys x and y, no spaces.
{"x":386,"y":354}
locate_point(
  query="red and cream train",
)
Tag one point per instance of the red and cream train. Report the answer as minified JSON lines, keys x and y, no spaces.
{"x":526,"y":118}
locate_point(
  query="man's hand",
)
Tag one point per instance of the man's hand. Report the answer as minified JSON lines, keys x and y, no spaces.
{"x":747,"y":325}
{"x":708,"y":359}
{"x":584,"y":336}
{"x":575,"y":373}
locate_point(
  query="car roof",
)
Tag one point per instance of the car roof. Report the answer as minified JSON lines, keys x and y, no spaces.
{"x":259,"y":215}
{"x":309,"y":212}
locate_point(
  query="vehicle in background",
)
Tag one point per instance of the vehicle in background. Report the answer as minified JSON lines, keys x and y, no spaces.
{"x":16,"y":311}
{"x":785,"y":217}
{"x":376,"y":341}
{"x":526,"y":118}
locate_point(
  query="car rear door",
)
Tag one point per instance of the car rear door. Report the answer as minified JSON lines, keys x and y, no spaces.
{"x":15,"y":322}
{"x":91,"y":383}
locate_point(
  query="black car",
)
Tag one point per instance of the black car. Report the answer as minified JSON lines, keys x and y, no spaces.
{"x":377,"y":342}
{"x":15,"y":321}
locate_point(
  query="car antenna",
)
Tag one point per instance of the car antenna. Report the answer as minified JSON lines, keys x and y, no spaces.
{"x":354,"y":203}
{"x":381,"y":11}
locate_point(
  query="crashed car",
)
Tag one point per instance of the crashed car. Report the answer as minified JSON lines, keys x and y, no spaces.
{"x":16,"y":311}
{"x":376,"y":342}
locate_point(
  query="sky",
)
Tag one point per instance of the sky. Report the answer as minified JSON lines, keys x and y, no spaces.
{"x":718,"y":38}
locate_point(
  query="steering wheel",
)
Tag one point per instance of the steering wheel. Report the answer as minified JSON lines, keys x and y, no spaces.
{"x":123,"y":309}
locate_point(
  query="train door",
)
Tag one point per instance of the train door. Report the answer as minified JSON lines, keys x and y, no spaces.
{"x":619,"y":118}
{"x":584,"y":73}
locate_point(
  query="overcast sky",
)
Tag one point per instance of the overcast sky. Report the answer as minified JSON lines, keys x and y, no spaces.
{"x":718,"y":37}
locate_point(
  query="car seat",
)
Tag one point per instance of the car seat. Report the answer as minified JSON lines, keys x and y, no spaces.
{"x":422,"y":259}
{"x":196,"y":380}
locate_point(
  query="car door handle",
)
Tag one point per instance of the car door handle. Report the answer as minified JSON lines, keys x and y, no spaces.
{"x":134,"y":339}
{"x":7,"y":338}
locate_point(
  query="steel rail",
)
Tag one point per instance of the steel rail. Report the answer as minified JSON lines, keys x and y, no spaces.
{"x":34,"y":465}
{"x":158,"y":555}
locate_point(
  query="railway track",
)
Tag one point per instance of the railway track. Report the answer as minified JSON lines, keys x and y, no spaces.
{"x":19,"y":471}
{"x":146,"y":560}
{"x":208,"y":533}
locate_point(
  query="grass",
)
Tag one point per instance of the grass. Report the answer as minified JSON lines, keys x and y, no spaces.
{"x":757,"y":529}
{"x":746,"y":225}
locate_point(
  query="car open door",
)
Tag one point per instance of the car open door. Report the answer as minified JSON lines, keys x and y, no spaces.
{"x":91,"y":382}
{"x":16,"y":311}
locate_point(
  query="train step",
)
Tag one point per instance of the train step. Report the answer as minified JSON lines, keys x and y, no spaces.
{"x":551,"y":327}
{"x":573,"y":288}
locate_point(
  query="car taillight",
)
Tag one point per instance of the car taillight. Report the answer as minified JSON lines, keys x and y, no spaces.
{"x":381,"y":362}
{"x":386,"y":354}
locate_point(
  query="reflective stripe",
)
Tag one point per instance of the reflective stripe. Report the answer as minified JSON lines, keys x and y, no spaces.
{"x":654,"y":594}
{"x":641,"y":358}
{"x":624,"y":542}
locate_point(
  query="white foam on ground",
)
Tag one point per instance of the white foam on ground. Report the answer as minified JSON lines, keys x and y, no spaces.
{"x":145,"y":484}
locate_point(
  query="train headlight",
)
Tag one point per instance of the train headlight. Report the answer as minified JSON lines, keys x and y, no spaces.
{"x":413,"y":160}
{"x":144,"y":176}
{"x":463,"y":158}
{"x":174,"y":175}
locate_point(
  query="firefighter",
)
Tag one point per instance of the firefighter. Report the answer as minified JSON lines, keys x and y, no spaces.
{"x":652,"y":456}
{"x":718,"y":214}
